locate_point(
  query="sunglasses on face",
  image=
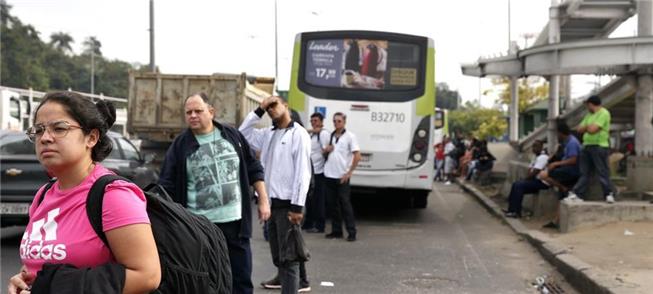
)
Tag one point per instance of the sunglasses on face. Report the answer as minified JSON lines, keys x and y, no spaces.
{"x":57,"y":129}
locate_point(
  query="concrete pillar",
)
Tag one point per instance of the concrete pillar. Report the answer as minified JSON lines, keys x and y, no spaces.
{"x":644,"y":95}
{"x":645,"y":17}
{"x":514,"y":109}
{"x":644,"y":116}
{"x":640,"y":167}
{"x":565,"y":92}
{"x":554,"y":81}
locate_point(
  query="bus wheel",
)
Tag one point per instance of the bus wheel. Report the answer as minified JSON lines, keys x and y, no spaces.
{"x":420,"y":199}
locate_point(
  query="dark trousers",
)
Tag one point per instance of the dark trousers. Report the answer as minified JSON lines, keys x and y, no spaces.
{"x":519,"y":188}
{"x":316,"y":205}
{"x":593,"y":159}
{"x":278,"y":226}
{"x":240,"y":256}
{"x":339,"y":199}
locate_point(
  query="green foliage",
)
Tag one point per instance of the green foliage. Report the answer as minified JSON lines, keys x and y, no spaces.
{"x":482,"y":123}
{"x":446,"y":98}
{"x":529,"y":91}
{"x":28,"y":62}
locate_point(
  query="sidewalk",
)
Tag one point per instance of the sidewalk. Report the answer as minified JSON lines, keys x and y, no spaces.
{"x":614,"y":258}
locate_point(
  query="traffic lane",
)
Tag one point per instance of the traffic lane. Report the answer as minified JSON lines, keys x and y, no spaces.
{"x":453,"y":246}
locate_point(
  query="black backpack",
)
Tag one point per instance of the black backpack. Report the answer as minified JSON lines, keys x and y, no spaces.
{"x":192,"y":250}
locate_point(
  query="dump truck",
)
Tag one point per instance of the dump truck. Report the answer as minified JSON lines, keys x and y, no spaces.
{"x":156,"y":104}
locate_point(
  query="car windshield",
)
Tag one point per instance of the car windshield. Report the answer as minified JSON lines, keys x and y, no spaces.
{"x":17,"y":144}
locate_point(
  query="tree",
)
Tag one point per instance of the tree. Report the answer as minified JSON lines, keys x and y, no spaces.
{"x":61,"y":41}
{"x":531,"y":90}
{"x":446,"y":98}
{"x":482,"y":123}
{"x":28,"y":62}
{"x":92,"y":45}
{"x":22,"y":53}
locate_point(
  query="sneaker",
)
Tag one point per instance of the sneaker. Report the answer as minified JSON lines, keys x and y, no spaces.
{"x":304,"y":288}
{"x":333,"y":236}
{"x":572,"y":197}
{"x":273,"y":283}
{"x":551,"y":225}
{"x":447,"y":183}
{"x":351,"y":238}
{"x":610,"y":198}
{"x":512,"y":214}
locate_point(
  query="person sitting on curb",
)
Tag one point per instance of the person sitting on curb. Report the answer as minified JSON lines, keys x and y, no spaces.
{"x":483,"y":163}
{"x":532,"y":184}
{"x":564,"y":173}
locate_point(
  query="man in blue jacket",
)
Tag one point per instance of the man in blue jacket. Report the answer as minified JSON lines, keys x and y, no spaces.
{"x":209,"y":169}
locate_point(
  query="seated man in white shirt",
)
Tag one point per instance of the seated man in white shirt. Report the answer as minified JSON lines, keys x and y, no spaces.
{"x":532,"y":184}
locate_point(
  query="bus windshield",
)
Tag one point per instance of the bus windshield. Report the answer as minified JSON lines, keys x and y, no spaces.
{"x":362,"y":64}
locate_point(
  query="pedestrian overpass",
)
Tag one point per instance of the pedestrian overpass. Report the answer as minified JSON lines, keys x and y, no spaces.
{"x":574,"y":41}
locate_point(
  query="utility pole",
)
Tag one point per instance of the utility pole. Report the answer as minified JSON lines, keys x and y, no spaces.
{"x":93,"y":69}
{"x":152,"y":64}
{"x":509,"y":40}
{"x":276,"y":49}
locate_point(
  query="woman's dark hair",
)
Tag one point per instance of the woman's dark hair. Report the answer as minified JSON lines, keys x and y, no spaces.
{"x":89,"y":115}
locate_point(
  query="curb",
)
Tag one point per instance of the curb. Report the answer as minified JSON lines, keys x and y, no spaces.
{"x":582,"y":276}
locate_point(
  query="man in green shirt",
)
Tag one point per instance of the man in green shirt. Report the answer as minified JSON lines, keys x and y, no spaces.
{"x":595,"y":128}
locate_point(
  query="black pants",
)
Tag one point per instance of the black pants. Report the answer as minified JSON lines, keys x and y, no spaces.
{"x":593,"y":159}
{"x":316,"y":206}
{"x":278,"y":226}
{"x":519,"y":188}
{"x":339,"y":199}
{"x":240,"y":256}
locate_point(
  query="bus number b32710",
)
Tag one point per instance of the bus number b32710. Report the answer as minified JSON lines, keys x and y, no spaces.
{"x":388,"y":117}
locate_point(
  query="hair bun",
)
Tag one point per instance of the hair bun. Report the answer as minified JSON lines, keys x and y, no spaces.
{"x":108,"y":111}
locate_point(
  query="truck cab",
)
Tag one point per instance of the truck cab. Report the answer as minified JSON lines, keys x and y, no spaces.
{"x":12,"y":111}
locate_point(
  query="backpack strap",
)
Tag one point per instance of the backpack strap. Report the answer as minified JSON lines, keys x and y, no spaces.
{"x":94,"y":203}
{"x":45,"y":190}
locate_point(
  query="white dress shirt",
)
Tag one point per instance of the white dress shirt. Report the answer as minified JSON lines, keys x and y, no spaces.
{"x":340,"y":159}
{"x":318,"y":142}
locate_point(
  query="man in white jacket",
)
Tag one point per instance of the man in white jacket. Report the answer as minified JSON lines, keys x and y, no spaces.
{"x":286,"y":157}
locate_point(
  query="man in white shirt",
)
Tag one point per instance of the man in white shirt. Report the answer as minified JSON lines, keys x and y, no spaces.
{"x":286,"y":157}
{"x":532,"y":184}
{"x":343,"y":156}
{"x":450,"y":159}
{"x":316,"y":202}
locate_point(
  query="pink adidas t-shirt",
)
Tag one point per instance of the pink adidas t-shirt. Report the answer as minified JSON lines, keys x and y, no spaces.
{"x":59,"y":230}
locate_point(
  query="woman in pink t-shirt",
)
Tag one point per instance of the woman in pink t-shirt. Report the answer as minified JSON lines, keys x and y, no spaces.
{"x":69,"y":133}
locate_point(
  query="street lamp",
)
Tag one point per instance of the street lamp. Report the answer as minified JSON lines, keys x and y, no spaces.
{"x":276,"y":50}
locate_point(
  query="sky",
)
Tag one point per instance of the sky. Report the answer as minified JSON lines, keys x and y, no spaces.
{"x":204,"y":37}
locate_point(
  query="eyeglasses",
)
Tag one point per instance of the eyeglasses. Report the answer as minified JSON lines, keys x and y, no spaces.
{"x":57,"y":129}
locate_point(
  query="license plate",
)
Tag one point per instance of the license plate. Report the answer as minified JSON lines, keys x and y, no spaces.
{"x":366,"y":157}
{"x":14,"y":208}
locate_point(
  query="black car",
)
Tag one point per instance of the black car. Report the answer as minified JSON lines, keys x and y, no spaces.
{"x":22,"y":173}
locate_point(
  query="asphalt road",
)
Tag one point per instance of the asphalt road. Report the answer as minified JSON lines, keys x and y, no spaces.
{"x":453,"y":246}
